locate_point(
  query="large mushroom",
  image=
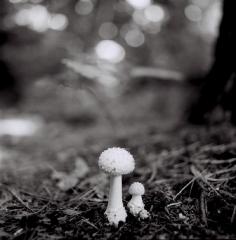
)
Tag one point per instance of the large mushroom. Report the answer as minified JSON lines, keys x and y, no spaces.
{"x":116,"y":162}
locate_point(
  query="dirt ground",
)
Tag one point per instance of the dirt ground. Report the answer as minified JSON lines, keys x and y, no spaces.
{"x":188,"y":172}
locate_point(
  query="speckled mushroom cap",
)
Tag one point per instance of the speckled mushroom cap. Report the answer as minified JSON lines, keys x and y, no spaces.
{"x":116,"y":161}
{"x":136,"y":188}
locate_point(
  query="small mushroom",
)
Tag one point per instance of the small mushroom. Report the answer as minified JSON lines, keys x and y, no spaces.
{"x":116,"y":162}
{"x":136,"y":205}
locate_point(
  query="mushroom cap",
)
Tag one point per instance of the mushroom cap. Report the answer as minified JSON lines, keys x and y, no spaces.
{"x":136,"y":188}
{"x":116,"y":161}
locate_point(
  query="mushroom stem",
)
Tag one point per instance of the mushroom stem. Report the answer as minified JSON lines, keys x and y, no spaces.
{"x":115,"y":211}
{"x":115,"y":193}
{"x":137,"y":201}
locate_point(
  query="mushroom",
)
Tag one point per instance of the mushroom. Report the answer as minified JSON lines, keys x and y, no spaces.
{"x":116,"y":162}
{"x":136,"y":205}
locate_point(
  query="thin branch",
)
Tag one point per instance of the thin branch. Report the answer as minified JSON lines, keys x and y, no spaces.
{"x":180,"y":192}
{"x":203,"y":208}
{"x":14,"y":194}
{"x":233,"y":215}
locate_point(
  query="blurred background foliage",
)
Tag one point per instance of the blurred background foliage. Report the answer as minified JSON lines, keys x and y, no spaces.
{"x":166,"y":34}
{"x":56,"y":47}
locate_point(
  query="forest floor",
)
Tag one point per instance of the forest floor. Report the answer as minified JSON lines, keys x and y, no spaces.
{"x":188,"y":173}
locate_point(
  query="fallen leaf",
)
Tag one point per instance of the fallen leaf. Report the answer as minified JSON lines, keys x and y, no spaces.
{"x":81,"y":168}
{"x":100,"y":182}
{"x":67,"y":183}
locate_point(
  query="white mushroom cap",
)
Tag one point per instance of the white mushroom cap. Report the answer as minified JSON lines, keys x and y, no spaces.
{"x":116,"y":161}
{"x":136,"y":188}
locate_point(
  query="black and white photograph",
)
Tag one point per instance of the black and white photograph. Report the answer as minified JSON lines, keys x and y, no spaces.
{"x":117,"y":119}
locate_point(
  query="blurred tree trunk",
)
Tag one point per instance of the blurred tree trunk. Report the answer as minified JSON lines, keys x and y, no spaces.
{"x":9,"y":92}
{"x":222,"y":70}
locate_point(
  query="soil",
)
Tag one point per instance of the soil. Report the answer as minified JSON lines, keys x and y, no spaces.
{"x":188,"y":173}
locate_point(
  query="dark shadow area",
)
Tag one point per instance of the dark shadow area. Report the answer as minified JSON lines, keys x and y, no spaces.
{"x":219,"y":85}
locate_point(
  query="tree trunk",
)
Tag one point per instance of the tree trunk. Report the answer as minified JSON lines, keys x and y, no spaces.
{"x":222,"y":70}
{"x":9,"y":91}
